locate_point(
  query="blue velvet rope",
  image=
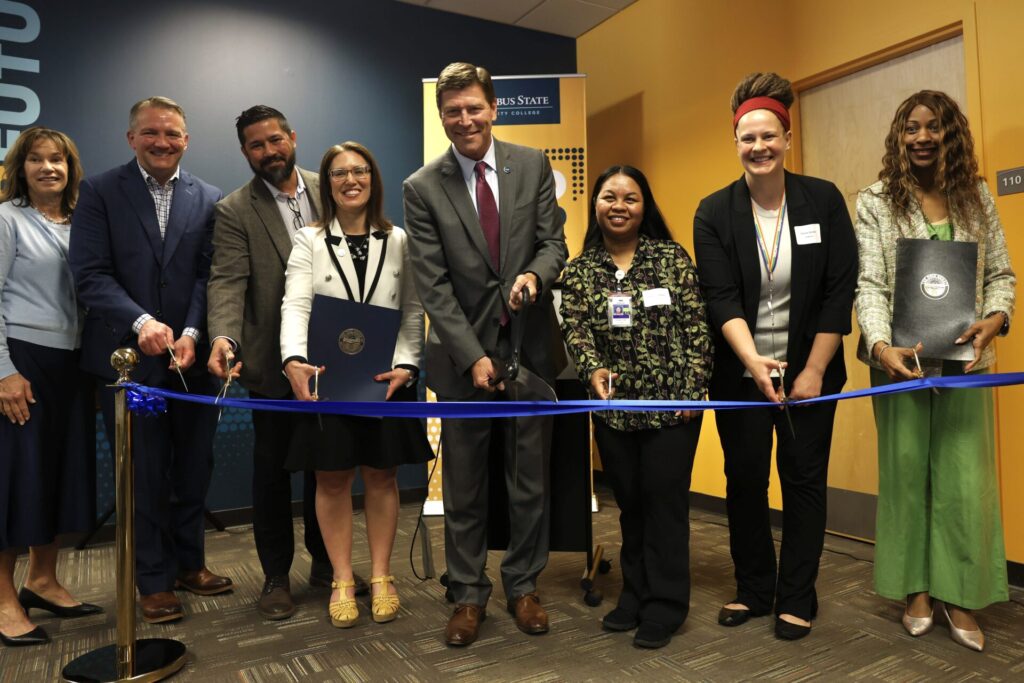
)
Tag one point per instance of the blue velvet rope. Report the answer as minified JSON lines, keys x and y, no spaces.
{"x":481,"y":409}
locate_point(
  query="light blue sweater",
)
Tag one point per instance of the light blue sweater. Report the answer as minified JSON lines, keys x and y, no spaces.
{"x":37,"y":291}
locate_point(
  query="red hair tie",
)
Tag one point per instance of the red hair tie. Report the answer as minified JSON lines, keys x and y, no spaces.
{"x":769,"y":103}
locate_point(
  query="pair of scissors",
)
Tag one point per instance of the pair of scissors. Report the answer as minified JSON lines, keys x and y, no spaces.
{"x":785,"y":399}
{"x":316,"y":395}
{"x":229,"y":363}
{"x":177,"y":367}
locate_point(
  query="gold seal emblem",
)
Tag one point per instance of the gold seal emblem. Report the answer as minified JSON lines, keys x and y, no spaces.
{"x":351,"y":341}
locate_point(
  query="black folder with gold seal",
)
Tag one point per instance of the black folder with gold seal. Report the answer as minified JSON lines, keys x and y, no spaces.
{"x":355,"y":341}
{"x":933,"y":297}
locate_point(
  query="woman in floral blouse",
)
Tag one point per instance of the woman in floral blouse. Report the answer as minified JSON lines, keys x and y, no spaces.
{"x":635,"y":324}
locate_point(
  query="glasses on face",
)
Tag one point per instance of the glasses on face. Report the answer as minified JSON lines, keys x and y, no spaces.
{"x":297,"y":222}
{"x":358,"y":172}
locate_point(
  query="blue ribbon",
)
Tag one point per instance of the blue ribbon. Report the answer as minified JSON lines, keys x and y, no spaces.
{"x":482,"y":409}
{"x":143,"y":403}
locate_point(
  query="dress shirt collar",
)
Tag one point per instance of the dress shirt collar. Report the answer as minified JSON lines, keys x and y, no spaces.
{"x":283,"y":196}
{"x":147,"y":177}
{"x":469,"y":165}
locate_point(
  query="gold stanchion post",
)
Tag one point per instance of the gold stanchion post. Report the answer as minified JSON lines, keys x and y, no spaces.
{"x":128,"y":659}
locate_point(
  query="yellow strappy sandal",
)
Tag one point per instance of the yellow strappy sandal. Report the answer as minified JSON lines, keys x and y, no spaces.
{"x":385,"y":605}
{"x":344,"y":612}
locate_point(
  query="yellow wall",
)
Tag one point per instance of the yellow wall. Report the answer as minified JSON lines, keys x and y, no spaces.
{"x":661,"y":72}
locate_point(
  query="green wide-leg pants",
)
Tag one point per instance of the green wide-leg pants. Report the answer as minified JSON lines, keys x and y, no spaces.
{"x":938,"y":527}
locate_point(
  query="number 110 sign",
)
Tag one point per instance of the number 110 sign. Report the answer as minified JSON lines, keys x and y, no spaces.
{"x":1010,"y":181}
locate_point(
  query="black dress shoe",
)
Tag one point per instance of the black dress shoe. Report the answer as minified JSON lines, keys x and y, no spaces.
{"x":785,"y":630}
{"x":36,"y":636}
{"x":652,"y":635}
{"x":30,"y":599}
{"x":275,"y":601}
{"x":619,"y":619}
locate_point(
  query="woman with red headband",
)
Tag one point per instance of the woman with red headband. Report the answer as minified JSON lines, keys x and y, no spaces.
{"x":777,"y":259}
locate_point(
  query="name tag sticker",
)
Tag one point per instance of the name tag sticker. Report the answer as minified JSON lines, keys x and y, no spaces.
{"x":808,"y":234}
{"x":620,"y":310}
{"x":657,"y":297}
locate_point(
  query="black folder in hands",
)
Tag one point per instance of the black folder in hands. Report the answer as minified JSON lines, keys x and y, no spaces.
{"x":933,"y":297}
{"x":354,"y":341}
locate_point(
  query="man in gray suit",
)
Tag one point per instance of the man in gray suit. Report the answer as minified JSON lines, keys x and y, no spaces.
{"x":484,"y":231}
{"x":252,"y":239}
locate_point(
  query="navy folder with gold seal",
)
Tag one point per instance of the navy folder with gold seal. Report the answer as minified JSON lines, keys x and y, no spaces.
{"x":933,"y":296}
{"x":355,"y":341}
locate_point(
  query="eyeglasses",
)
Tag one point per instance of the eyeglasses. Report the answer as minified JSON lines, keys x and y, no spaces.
{"x":358,"y":172}
{"x":297,"y":221}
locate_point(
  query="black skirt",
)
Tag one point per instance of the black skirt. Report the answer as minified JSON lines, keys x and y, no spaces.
{"x":48,"y":466}
{"x":345,"y":441}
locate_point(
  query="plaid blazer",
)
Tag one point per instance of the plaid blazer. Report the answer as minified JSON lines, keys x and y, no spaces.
{"x":877,"y":231}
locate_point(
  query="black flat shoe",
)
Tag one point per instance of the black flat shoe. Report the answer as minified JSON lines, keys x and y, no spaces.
{"x":784,"y":630}
{"x":736,"y":617}
{"x":36,"y":636}
{"x":652,"y":635}
{"x":30,"y":599}
{"x":619,"y":619}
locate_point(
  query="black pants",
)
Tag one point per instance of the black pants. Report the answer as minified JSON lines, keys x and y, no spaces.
{"x":649,"y":471}
{"x":802,"y":463}
{"x":272,"y":525}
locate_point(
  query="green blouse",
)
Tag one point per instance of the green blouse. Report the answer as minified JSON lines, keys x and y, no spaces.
{"x":941,"y":231}
{"x":666,"y":354}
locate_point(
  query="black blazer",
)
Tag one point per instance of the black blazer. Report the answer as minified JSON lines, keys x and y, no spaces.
{"x":824,"y":275}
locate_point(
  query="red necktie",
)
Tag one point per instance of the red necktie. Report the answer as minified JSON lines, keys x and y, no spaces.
{"x":487,"y":209}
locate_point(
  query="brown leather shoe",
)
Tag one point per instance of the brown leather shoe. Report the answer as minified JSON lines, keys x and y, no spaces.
{"x":464,"y":626}
{"x":160,"y":607}
{"x":530,"y":616}
{"x":276,"y":599}
{"x":202,"y":582}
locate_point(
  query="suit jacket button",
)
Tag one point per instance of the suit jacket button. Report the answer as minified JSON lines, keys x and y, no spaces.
{"x":393,"y":295}
{"x":328,"y":278}
{"x":163,"y":284}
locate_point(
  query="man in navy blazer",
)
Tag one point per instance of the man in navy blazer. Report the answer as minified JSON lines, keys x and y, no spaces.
{"x":140,"y":252}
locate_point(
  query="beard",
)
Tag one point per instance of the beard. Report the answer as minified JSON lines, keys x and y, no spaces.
{"x":278,"y":174}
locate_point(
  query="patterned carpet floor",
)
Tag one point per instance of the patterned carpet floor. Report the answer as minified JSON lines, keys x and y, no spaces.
{"x":857,"y":635}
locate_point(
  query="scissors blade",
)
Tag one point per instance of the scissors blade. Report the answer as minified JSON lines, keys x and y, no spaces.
{"x":536,"y":389}
{"x":785,"y":400}
{"x":174,"y":361}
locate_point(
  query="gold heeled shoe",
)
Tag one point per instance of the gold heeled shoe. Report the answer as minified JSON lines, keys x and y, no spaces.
{"x":972,"y":640}
{"x":384,"y":605}
{"x":344,"y":612}
{"x":918,"y":626}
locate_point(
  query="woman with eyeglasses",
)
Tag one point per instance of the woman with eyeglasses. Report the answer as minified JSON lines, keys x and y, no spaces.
{"x":939,"y":536}
{"x":47,"y":429}
{"x":354,"y":252}
{"x":778,"y":263}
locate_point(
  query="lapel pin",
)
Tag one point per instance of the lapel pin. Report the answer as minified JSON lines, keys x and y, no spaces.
{"x":506,"y":169}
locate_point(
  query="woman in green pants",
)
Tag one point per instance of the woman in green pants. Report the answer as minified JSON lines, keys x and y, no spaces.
{"x":939,"y":535}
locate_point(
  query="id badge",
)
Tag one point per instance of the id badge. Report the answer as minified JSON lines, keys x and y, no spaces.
{"x":620,"y":310}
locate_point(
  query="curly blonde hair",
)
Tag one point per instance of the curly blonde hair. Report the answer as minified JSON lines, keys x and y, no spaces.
{"x":956,"y":171}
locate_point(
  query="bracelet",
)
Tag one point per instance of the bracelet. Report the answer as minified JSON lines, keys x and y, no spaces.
{"x":878,"y":356}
